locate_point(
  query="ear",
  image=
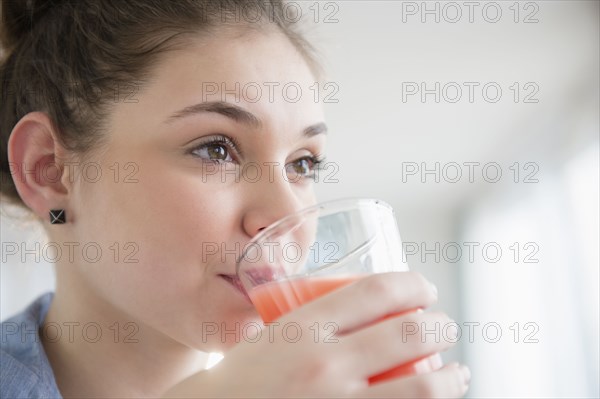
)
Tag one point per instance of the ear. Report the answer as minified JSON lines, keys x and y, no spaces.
{"x":36,"y":160}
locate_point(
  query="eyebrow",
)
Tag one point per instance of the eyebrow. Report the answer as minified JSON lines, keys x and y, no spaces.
{"x":319,"y":128}
{"x":238,"y":114}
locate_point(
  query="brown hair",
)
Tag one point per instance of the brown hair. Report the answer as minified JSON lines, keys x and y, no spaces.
{"x":67,"y":58}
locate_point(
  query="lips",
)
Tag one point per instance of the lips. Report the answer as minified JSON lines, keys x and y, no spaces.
{"x":236,"y":283}
{"x":261,"y":275}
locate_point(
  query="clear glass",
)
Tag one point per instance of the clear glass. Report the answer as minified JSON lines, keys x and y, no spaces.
{"x":319,"y":249}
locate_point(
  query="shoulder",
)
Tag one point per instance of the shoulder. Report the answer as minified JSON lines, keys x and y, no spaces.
{"x":18,"y":381}
{"x":24,"y":367}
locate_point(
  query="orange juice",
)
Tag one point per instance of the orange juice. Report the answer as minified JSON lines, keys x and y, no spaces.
{"x":273,"y":300}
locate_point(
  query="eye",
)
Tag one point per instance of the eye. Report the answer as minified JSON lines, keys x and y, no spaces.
{"x":216,"y":150}
{"x":303,"y":168}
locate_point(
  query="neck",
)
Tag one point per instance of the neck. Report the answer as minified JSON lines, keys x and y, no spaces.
{"x":102,"y":352}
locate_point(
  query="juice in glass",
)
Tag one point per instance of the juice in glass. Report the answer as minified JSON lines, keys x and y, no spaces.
{"x":274,"y":299}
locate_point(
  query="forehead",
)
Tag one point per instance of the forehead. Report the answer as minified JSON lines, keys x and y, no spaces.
{"x":260,"y":71}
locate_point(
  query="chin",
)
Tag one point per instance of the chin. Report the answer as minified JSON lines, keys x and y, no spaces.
{"x":220,"y":336}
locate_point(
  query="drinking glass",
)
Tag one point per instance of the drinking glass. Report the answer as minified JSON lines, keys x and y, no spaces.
{"x":319,"y":249}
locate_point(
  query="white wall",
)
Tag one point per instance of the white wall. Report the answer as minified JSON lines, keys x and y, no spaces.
{"x":24,"y":272}
{"x":371,"y":54}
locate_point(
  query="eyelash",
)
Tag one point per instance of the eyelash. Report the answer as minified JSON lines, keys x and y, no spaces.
{"x":229,"y":142}
{"x":317,"y":160}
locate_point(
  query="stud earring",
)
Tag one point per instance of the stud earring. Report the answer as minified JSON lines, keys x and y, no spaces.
{"x":57,"y":216}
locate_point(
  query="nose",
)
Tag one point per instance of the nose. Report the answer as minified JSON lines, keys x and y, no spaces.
{"x":268,"y":202}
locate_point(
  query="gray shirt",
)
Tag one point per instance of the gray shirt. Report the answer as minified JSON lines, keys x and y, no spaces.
{"x":24,"y":368}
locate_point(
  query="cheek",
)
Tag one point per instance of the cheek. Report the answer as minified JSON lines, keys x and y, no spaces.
{"x":153,"y":232}
{"x":162,"y":210}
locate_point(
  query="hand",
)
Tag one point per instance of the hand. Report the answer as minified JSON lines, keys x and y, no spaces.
{"x":309,"y":367}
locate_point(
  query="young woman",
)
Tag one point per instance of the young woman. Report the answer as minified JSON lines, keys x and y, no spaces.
{"x":126,"y":128}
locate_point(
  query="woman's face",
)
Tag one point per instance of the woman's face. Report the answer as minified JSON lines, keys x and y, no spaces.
{"x":218,"y":145}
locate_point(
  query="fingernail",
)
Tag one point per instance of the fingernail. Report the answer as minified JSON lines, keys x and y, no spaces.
{"x":466,"y":374}
{"x":434,"y":289}
{"x":452,"y":331}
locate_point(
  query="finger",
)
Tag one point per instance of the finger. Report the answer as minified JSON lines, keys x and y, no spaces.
{"x":396,"y":341}
{"x":367,"y":300}
{"x":451,"y":381}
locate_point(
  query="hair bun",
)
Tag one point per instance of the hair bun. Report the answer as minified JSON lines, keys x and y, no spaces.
{"x":18,"y":19}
